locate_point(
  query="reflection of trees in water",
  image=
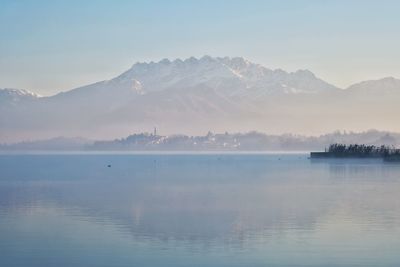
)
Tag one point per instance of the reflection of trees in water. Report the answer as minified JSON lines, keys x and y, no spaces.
{"x":366,"y":169}
{"x":366,"y":189}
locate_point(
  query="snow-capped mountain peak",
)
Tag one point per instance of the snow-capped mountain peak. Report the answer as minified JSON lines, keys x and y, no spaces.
{"x":194,"y":94}
{"x":12,"y":95}
{"x":18,"y":92}
{"x":235,"y":73}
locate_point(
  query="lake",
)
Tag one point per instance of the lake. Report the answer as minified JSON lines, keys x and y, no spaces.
{"x":197,"y":210}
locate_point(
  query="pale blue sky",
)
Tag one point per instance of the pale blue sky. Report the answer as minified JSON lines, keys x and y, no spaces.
{"x":51,"y":46}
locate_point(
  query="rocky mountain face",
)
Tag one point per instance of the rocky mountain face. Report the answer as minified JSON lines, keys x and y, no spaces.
{"x":193,"y":96}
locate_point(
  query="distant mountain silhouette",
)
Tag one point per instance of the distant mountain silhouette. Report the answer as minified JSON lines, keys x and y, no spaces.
{"x":197,"y":95}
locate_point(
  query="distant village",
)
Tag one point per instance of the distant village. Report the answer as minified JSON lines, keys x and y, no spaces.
{"x":251,"y":141}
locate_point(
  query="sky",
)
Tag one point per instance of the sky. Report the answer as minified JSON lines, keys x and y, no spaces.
{"x":52,"y":46}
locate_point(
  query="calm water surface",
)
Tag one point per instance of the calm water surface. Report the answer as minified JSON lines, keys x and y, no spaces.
{"x":198,"y":210}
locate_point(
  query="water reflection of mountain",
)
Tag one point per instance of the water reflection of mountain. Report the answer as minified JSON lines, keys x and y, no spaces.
{"x":204,"y":199}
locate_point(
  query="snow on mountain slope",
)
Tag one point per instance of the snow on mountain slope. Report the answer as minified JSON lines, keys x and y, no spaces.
{"x":229,"y":76}
{"x":179,"y":74}
{"x":196,"y":95}
{"x":234,"y":75}
{"x":16,"y":95}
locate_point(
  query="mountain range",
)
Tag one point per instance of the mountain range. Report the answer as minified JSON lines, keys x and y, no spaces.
{"x":194,"y":96}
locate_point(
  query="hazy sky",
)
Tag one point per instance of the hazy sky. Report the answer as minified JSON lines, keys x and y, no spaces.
{"x":51,"y":46}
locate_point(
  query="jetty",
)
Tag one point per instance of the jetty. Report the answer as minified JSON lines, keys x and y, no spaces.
{"x":359,"y":151}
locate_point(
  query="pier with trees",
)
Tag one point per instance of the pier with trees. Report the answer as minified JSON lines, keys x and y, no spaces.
{"x":359,"y":151}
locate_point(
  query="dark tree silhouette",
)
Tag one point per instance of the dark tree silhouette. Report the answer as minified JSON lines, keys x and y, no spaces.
{"x":362,"y":150}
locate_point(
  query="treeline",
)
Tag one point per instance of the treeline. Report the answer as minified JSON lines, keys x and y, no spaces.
{"x":362,"y":150}
{"x":251,"y":141}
